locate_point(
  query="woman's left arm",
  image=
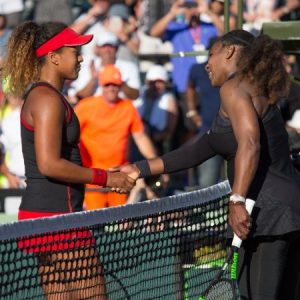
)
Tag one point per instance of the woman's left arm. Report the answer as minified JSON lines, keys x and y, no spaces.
{"x":239,"y":108}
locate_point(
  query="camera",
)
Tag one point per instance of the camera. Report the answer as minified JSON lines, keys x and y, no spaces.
{"x":189,"y":4}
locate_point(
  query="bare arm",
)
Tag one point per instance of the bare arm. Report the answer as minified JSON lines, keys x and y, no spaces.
{"x":189,"y":155}
{"x":285,"y":9}
{"x":203,"y":7}
{"x":89,"y":89}
{"x":86,"y":20}
{"x":191,"y":103}
{"x":128,"y":35}
{"x":158,"y":29}
{"x":144,"y":145}
{"x":13,"y":180}
{"x":219,"y":23}
{"x":130,"y":92}
{"x":238,"y":106}
{"x":133,"y":45}
{"x":234,"y":10}
{"x":172,"y":118}
{"x":216,"y":19}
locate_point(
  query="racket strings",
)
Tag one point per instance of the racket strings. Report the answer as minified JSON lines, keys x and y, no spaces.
{"x":221,"y":290}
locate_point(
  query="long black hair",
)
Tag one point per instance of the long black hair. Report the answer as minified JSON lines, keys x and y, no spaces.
{"x":261,"y":61}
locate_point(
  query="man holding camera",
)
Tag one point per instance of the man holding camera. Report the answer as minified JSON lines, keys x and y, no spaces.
{"x":187,"y":30}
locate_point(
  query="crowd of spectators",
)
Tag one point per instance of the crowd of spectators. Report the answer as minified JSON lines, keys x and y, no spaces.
{"x":173,"y":98}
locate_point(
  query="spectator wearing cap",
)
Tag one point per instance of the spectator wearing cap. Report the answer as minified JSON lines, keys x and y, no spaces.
{"x":106,"y":122}
{"x":158,"y":107}
{"x":124,"y":27}
{"x":91,"y":22}
{"x":13,"y":10}
{"x":105,"y":53}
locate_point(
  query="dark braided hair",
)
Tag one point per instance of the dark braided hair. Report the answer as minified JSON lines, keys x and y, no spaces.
{"x":21,"y":65}
{"x":262,"y":61}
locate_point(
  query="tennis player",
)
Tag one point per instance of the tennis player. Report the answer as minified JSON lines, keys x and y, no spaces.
{"x":40,"y":58}
{"x":250,"y":134}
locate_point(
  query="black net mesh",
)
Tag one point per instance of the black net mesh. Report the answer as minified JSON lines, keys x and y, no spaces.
{"x":168,"y":248}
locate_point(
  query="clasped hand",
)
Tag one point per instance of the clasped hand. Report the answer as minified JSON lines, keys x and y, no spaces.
{"x":122,"y":179}
{"x":239,"y":220}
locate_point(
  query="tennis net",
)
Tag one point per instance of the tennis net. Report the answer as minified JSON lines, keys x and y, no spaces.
{"x":169,"y":248}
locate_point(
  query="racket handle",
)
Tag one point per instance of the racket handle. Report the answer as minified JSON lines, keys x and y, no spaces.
{"x":249,"y":206}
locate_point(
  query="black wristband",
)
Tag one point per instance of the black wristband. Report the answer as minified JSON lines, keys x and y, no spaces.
{"x":144,"y":167}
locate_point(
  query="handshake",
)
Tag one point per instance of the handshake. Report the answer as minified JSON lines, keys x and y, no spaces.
{"x":122,"y":179}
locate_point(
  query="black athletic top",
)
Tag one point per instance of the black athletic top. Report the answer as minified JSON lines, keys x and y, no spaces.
{"x":42,"y":193}
{"x":276,"y":185}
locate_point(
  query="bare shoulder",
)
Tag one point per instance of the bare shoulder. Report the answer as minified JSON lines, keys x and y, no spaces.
{"x":236,"y":94}
{"x":43,"y":97}
{"x":43,"y":105}
{"x":234,"y":88}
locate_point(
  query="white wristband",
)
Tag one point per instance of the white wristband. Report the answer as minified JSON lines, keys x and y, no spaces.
{"x":237,"y":198}
{"x":191,"y":113}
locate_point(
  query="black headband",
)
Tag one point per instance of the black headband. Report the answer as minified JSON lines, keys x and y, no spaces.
{"x":234,"y":37}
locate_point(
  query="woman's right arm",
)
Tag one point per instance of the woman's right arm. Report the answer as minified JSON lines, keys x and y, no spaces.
{"x":189,"y":155}
{"x":46,"y":114}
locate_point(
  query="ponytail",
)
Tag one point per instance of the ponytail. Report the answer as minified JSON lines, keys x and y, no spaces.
{"x":263,"y":63}
{"x":22,"y":66}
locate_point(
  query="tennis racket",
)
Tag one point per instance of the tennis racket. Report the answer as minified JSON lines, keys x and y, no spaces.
{"x":221,"y":287}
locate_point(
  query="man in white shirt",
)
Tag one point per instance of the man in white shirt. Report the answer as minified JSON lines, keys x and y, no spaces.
{"x":105,"y":54}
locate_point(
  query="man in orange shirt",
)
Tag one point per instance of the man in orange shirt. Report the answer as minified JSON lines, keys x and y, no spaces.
{"x":106,"y":123}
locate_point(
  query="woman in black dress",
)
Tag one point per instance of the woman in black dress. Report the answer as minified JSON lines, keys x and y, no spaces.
{"x":40,"y":58}
{"x":250,"y":134}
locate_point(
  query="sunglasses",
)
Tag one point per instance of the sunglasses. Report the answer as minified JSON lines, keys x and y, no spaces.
{"x":111,"y":84}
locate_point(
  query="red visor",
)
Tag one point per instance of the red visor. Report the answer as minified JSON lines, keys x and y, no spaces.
{"x":67,"y":37}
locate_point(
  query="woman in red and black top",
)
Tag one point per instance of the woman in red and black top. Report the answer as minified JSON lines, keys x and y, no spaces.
{"x":40,"y":58}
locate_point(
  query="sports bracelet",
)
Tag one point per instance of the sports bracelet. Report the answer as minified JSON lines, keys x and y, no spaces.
{"x":99,"y":177}
{"x":191,"y":113}
{"x":236,"y":198}
{"x":144,"y":168}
